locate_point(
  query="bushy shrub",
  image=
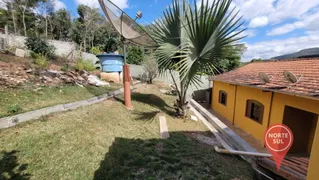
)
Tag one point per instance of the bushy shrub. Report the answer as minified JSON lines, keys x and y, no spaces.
{"x":39,"y":46}
{"x":14,"y":108}
{"x":134,"y":55}
{"x":84,"y":65}
{"x":96,"y":50}
{"x":65,"y":67}
{"x":40,"y":61}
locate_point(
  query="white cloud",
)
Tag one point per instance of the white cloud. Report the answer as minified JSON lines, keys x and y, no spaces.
{"x":268,"y":49}
{"x":286,"y":28}
{"x":58,"y":5}
{"x":122,"y":4}
{"x":275,"y":10}
{"x":2,"y":4}
{"x":258,"y":22}
{"x":250,"y":33}
{"x":286,"y":9}
{"x":308,"y":21}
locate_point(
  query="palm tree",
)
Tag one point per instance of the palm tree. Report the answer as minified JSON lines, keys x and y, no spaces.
{"x":193,"y":40}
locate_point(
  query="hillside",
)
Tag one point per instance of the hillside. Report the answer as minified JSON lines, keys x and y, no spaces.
{"x":311,"y":52}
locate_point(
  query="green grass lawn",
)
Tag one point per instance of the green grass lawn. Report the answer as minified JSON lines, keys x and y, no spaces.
{"x":107,"y":141}
{"x":18,"y":100}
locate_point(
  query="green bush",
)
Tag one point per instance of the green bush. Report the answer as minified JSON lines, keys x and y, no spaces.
{"x":12,"y":109}
{"x":65,"y":67}
{"x":34,"y":55}
{"x":134,"y":55}
{"x":96,"y":50}
{"x":84,"y":65}
{"x":41,"y":61}
{"x":39,"y":46}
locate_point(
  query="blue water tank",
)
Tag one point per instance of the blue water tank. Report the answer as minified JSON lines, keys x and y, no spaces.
{"x":111,"y":62}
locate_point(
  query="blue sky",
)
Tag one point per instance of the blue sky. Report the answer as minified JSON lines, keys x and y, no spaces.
{"x":274,"y":27}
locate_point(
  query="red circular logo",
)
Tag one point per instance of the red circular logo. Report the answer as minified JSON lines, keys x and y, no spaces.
{"x":278,"y":138}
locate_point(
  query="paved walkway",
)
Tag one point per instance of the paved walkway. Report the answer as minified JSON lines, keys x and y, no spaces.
{"x":243,"y":134}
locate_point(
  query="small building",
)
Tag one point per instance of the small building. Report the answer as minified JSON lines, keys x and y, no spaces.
{"x":262,"y":94}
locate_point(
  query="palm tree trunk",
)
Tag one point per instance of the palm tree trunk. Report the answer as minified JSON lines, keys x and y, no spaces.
{"x":181,"y":106}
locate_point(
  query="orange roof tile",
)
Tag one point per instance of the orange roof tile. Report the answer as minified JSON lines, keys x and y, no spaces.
{"x":306,"y":70}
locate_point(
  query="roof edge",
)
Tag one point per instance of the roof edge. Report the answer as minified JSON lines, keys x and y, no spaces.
{"x":270,"y":90}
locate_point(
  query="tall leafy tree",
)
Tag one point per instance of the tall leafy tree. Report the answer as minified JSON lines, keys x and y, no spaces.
{"x":9,"y":15}
{"x":135,"y":55}
{"x":60,"y":23}
{"x":26,"y":7}
{"x":193,"y":40}
{"x":85,"y":27}
{"x":46,"y":7}
{"x":231,"y":58}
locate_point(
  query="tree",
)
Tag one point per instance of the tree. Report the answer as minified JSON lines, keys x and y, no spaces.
{"x":25,"y":6}
{"x":84,"y":28}
{"x":256,"y":60}
{"x":46,"y":7}
{"x":10,"y":12}
{"x":150,"y":67}
{"x":231,"y":59}
{"x":134,"y":55}
{"x":193,"y":40}
{"x":107,"y":38}
{"x":60,"y":23}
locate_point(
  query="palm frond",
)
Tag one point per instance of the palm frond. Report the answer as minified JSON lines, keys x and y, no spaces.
{"x":194,"y":39}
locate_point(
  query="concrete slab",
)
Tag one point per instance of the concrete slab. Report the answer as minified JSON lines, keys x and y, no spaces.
{"x":163,"y":127}
{"x":211,"y":128}
{"x":227,"y":134}
{"x":20,"y":53}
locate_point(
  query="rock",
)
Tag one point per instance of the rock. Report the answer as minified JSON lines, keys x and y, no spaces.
{"x":47,"y":79}
{"x":80,"y":78}
{"x":20,"y":53}
{"x":29,"y":70}
{"x":94,"y":80}
{"x":163,"y":91}
{"x":49,"y":73}
{"x":194,"y":118}
{"x":112,"y":77}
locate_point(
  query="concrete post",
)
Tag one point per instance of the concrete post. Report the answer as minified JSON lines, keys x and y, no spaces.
{"x":6,"y":41}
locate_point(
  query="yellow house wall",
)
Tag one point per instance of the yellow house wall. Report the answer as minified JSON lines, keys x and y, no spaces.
{"x":282,"y":100}
{"x":313,"y":169}
{"x":225,"y":111}
{"x":252,"y":127}
{"x":277,"y":114}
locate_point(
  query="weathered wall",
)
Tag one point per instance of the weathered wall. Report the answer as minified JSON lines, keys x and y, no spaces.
{"x":228,"y":110}
{"x":138,"y":71}
{"x":62,"y":48}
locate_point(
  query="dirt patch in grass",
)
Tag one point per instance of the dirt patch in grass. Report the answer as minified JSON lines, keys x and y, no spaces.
{"x":107,"y":141}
